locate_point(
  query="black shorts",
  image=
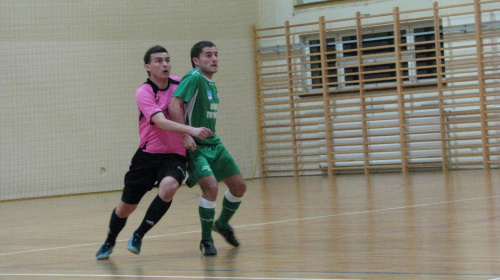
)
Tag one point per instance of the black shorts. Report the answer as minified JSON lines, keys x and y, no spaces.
{"x":147,"y":170}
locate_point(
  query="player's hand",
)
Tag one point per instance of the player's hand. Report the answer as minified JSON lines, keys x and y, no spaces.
{"x":188,"y":142}
{"x":201,"y":132}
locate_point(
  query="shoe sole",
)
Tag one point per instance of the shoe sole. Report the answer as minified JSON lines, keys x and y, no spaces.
{"x":208,"y":255}
{"x":133,"y":250}
{"x":102,"y":258}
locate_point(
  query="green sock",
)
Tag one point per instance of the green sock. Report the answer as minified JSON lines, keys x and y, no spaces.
{"x":228,"y":210}
{"x":207,"y":222}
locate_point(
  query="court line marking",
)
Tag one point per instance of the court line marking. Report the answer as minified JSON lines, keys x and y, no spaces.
{"x":161,"y":276}
{"x":371,"y":211}
{"x":270,"y":223}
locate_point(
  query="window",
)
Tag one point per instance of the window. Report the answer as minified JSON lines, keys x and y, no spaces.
{"x":418,"y":57}
{"x":316,"y":62}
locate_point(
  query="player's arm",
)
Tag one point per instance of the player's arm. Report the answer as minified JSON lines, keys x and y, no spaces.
{"x":176,"y":112}
{"x":163,"y":123}
{"x":176,"y":109}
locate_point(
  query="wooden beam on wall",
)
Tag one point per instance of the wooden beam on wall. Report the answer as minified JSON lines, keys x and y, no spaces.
{"x":481,"y":84}
{"x":288,"y":47}
{"x":326,"y":98}
{"x":258,"y":101}
{"x":399,"y":81}
{"x":440,"y":84}
{"x":359,"y":38}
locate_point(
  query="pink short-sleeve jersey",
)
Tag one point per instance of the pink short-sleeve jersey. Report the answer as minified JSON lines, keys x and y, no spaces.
{"x":150,"y":101}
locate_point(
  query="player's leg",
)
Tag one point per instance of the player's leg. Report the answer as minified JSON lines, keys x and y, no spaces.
{"x":171,"y":173}
{"x":116,"y":224}
{"x":159,"y":206}
{"x":156,"y":210}
{"x":226,"y":169}
{"x":200,"y":172}
{"x":231,"y":202}
{"x":119,"y":219}
{"x":232,"y":198}
{"x":136,"y":184}
{"x":206,"y":210}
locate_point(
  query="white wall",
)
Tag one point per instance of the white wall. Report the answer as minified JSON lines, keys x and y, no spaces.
{"x":68,"y":75}
{"x":276,"y":12}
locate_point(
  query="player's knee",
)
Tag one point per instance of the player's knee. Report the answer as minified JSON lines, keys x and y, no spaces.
{"x":236,"y":184}
{"x":168,"y":188}
{"x":210,"y":191}
{"x":167,"y":196}
{"x":123,"y":210}
{"x":238,"y":189}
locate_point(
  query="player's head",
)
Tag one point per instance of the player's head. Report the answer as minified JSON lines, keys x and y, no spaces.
{"x":150,"y":52}
{"x":197,"y":49}
{"x":205,"y":57}
{"x":157,"y":62}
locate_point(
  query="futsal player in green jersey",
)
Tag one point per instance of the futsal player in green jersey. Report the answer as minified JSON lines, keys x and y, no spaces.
{"x":195,"y":102}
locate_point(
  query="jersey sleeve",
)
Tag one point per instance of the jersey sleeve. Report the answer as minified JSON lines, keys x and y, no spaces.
{"x":187,"y":88}
{"x":146,"y":103}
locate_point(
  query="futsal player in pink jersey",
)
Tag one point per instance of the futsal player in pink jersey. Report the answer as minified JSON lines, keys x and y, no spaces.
{"x":161,"y":157}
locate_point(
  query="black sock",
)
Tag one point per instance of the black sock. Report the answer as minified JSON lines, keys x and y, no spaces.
{"x":155,"y":212}
{"x":116,"y":224}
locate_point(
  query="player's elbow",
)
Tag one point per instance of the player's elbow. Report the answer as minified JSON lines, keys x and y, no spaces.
{"x":175,"y":103}
{"x":175,"y":107}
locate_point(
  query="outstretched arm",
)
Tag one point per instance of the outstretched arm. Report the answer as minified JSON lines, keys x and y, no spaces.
{"x":163,"y":123}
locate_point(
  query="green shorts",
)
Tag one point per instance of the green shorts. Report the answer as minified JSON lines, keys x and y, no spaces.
{"x":209,"y":160}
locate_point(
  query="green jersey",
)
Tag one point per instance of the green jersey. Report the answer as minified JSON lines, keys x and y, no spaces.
{"x":200,"y":103}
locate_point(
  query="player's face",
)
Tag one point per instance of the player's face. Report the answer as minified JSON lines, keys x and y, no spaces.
{"x":159,"y":66}
{"x":208,"y":63}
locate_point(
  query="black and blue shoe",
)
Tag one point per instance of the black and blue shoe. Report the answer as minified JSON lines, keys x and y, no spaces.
{"x":134,"y":244}
{"x":104,"y":252}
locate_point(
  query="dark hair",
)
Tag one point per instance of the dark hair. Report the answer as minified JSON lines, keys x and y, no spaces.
{"x":198,"y":48}
{"x":152,"y":50}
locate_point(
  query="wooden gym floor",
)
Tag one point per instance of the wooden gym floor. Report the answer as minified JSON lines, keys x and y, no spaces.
{"x":426,"y":225}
